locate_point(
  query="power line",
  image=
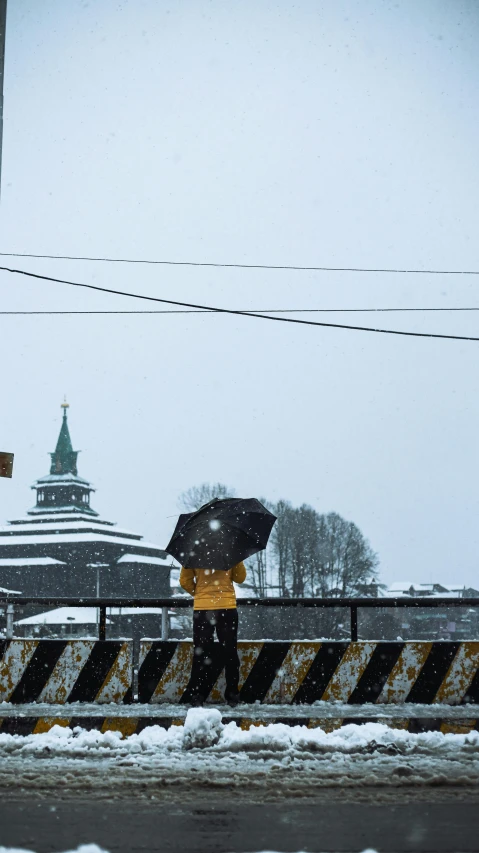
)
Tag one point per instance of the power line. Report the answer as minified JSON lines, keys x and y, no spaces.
{"x":235,"y":312}
{"x":248,"y":311}
{"x":235,"y":265}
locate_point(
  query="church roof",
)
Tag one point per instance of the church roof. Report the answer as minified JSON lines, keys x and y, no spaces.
{"x":82,"y":538}
{"x":63,"y":527}
{"x":67,"y":524}
{"x":27,"y":562}
{"x":57,"y":518}
{"x":54,"y":479}
{"x":128,"y":559}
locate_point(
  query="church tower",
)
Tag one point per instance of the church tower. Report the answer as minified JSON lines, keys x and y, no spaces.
{"x":63,"y":491}
{"x":63,"y":547}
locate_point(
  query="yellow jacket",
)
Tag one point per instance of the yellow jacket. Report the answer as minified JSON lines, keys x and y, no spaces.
{"x":213,"y":590}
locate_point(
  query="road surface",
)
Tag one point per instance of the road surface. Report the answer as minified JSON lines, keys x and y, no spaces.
{"x":205,"y":786}
{"x":440,"y":821}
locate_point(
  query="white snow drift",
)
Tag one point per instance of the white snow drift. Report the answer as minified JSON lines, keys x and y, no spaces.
{"x":206,"y":752}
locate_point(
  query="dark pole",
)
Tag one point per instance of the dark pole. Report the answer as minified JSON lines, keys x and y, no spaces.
{"x":3,"y":26}
{"x":102,"y":624}
{"x":354,"y":623}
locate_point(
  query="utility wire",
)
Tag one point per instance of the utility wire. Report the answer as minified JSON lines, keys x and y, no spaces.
{"x":248,"y":311}
{"x":236,"y":266}
{"x":233,"y":312}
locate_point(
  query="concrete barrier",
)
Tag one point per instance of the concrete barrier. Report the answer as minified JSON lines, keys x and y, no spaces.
{"x":304,"y":672}
{"x":59,"y":671}
{"x":297,"y":672}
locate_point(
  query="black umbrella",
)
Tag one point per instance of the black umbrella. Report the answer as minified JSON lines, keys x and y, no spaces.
{"x":221,"y":533}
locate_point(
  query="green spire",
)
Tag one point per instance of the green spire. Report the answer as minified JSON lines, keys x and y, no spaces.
{"x":64,"y":460}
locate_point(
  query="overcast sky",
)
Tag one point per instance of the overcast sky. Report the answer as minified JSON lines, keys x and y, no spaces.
{"x":340,"y":133}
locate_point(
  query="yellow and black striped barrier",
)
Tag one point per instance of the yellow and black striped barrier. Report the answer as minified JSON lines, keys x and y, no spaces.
{"x":283,"y":673}
{"x":303,"y":672}
{"x":59,"y":671}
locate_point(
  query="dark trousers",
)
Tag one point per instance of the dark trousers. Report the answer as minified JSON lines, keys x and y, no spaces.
{"x":205,"y":622}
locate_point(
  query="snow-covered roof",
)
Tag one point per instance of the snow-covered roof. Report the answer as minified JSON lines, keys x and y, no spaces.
{"x":29,"y":561}
{"x":4,"y":591}
{"x":133,"y":611}
{"x":64,"y":616}
{"x":245,"y":590}
{"x":165,"y":562}
{"x":456,"y":594}
{"x":77,"y":539}
{"x":67,"y":514}
{"x":69,"y":525}
{"x":424,"y":590}
{"x":381,"y":591}
{"x":47,"y":511}
{"x":394,"y":592}
{"x":56,"y":479}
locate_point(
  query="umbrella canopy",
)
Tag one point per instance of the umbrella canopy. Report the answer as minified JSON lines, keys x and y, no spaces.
{"x":221,"y":533}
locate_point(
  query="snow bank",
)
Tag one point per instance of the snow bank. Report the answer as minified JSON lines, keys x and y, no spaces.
{"x":350,"y":739}
{"x":93,"y":848}
{"x":204,"y":730}
{"x":83,"y":848}
{"x":205,"y":754}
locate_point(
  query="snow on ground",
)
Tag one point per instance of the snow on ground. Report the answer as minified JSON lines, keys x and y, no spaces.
{"x":205,"y":753}
{"x":83,"y":848}
{"x":93,"y":848}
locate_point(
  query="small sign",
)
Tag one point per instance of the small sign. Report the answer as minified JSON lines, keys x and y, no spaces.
{"x":6,"y":464}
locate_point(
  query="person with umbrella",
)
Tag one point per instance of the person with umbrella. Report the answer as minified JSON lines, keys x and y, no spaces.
{"x":214,"y":609}
{"x":211,"y":545}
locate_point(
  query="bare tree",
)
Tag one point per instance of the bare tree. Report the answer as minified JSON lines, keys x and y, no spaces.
{"x":346,"y":559}
{"x":319,"y":555}
{"x":304,"y":551}
{"x":281,"y":542}
{"x":195,"y":497}
{"x":257,"y":567}
{"x":293,"y":546}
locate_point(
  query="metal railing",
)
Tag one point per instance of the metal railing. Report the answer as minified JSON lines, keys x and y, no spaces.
{"x":353,"y":604}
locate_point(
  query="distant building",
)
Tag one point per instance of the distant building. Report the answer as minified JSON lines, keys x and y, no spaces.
{"x":423,"y":590}
{"x":62,"y":547}
{"x":447,"y":622}
{"x":69,"y":621}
